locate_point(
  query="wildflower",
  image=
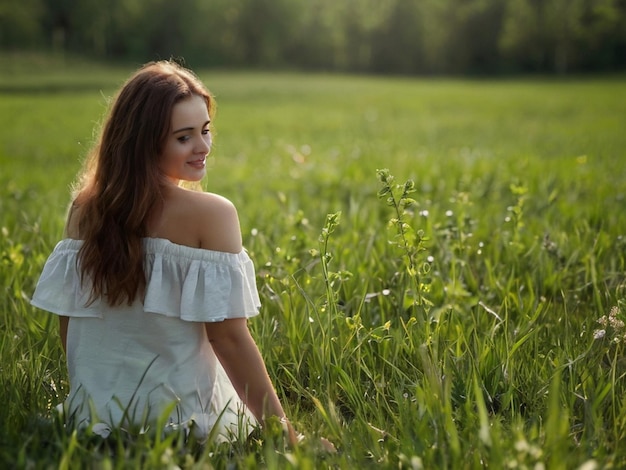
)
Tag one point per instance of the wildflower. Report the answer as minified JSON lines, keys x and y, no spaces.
{"x":615,"y":322}
{"x":612,"y":324}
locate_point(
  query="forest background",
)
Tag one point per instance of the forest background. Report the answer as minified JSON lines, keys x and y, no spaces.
{"x":392,"y":36}
{"x":469,"y":314}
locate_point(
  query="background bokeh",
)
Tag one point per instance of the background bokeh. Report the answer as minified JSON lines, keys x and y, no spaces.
{"x":390,"y":36}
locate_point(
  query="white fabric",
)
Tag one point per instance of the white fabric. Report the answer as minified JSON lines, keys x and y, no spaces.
{"x":131,"y":364}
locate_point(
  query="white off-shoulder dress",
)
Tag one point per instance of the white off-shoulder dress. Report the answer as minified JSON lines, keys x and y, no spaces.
{"x":151,"y":362}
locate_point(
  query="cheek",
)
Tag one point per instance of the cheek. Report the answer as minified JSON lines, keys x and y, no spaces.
{"x":177,"y":150}
{"x":171,"y":155}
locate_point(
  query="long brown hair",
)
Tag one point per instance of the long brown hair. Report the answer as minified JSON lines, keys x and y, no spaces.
{"x":121,"y":185}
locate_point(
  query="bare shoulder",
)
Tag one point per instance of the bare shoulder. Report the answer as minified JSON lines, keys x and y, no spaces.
{"x":212,"y":202}
{"x":216,"y":221}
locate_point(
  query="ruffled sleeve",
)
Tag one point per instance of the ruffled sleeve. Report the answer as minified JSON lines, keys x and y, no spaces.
{"x":59,"y":288}
{"x":189,"y":283}
{"x":199,"y":285}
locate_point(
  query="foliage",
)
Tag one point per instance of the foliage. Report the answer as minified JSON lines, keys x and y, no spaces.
{"x":394,"y":36}
{"x":464,"y":308}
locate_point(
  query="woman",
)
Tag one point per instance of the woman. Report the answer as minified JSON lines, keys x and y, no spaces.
{"x":151,"y":284}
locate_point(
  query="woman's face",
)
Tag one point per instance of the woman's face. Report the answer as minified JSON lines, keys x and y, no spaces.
{"x":188,"y":141}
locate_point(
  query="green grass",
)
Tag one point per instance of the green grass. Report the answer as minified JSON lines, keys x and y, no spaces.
{"x":451,"y":326}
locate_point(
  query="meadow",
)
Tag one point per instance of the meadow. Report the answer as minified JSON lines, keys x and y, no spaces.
{"x":442,"y":266}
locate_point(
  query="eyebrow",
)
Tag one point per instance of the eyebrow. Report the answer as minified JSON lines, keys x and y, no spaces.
{"x":190,"y":128}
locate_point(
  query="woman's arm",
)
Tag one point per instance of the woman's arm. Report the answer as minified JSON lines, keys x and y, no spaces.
{"x":239,"y":355}
{"x":63,"y":322}
{"x":231,"y":340}
{"x":70,"y":231}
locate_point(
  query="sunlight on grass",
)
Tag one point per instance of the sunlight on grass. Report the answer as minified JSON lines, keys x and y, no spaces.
{"x":463,"y":308}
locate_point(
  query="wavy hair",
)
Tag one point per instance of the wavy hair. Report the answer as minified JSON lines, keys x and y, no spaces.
{"x":121,"y":185}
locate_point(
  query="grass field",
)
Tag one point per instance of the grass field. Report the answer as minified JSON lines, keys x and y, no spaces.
{"x":464,"y":309}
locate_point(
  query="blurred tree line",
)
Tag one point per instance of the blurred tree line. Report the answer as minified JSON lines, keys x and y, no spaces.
{"x":382,"y":36}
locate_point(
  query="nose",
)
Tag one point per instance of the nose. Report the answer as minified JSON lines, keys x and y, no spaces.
{"x":204,"y":144}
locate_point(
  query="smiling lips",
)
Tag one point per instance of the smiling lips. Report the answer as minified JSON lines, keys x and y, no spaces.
{"x":198,"y":164}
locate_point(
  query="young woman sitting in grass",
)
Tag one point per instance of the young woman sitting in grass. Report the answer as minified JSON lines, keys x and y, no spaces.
{"x":151,"y":284}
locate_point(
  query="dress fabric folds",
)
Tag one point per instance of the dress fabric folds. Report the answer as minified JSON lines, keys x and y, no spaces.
{"x":150,"y":363}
